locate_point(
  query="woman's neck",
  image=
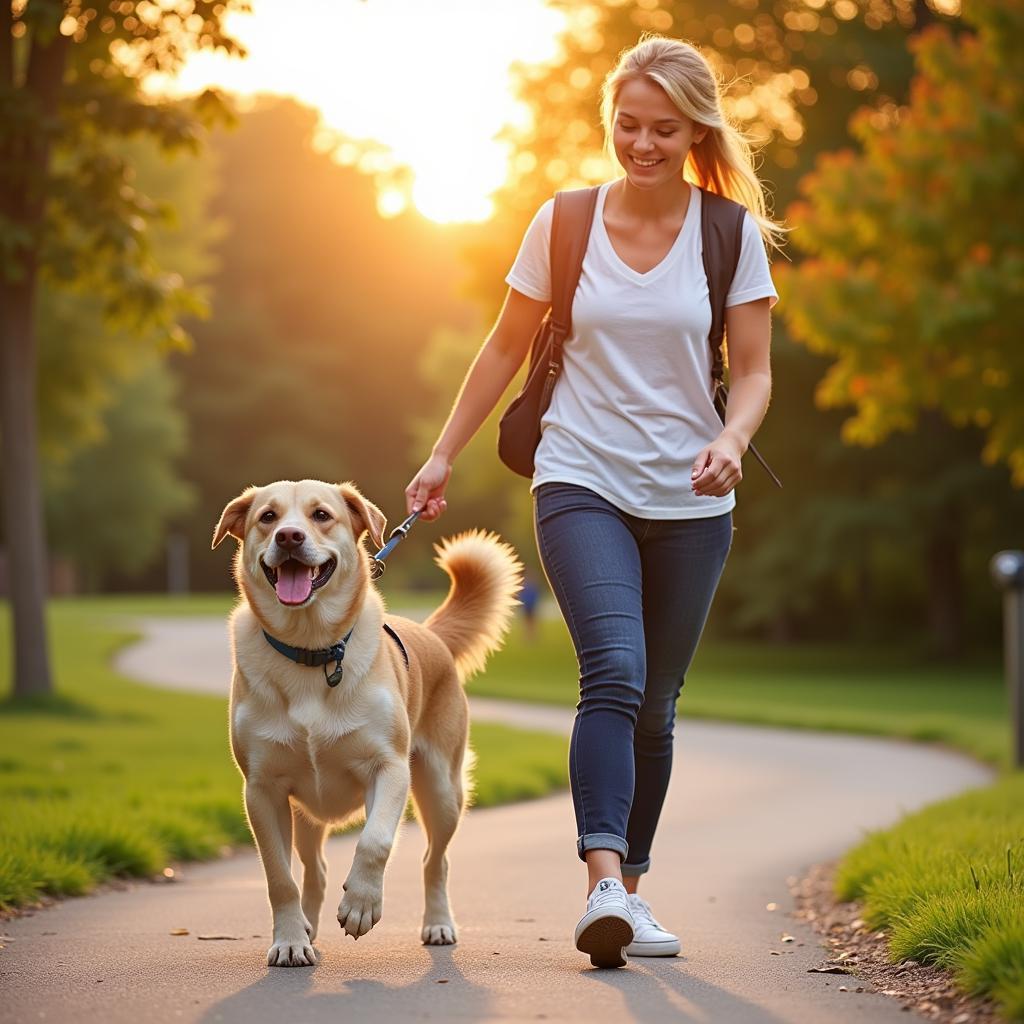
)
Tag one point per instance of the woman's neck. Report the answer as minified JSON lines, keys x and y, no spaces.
{"x":667,"y":200}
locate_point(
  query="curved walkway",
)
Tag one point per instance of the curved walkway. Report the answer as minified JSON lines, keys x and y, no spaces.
{"x":747,"y":808}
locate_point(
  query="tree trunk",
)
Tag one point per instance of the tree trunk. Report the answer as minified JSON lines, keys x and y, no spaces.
{"x":22,"y":489}
{"x":944,"y":573}
{"x":24,"y":162}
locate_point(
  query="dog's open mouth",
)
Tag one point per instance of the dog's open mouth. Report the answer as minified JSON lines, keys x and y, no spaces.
{"x":294,"y":581}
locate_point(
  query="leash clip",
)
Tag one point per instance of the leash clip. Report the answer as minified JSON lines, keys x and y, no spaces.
{"x":337,"y":653}
{"x":394,"y":538}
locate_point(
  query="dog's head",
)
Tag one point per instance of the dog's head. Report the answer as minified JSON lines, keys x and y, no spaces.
{"x":300,"y":543}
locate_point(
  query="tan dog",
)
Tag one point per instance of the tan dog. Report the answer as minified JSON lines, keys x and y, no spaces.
{"x":314,"y":744}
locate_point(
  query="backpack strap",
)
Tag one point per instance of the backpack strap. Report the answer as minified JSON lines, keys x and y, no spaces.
{"x":721,"y":230}
{"x":570,"y":233}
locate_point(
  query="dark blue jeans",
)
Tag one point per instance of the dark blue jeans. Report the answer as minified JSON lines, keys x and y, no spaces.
{"x":635,"y":594}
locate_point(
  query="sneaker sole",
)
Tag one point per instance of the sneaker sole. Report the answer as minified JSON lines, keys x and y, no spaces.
{"x":605,"y":940}
{"x":653,"y":949}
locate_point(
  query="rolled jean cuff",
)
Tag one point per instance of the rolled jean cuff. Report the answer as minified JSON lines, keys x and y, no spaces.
{"x":633,"y":870}
{"x":601,"y":841}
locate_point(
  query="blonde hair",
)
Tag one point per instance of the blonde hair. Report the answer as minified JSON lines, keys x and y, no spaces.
{"x":722,"y":161}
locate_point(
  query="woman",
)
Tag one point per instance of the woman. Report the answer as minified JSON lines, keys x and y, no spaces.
{"x":634,"y":478}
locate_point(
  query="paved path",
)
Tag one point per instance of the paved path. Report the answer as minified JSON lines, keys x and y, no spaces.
{"x":747,"y":808}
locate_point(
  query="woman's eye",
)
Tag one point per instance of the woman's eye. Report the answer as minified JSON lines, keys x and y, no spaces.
{"x":321,"y":516}
{"x":666,"y":135}
{"x":268,"y":517}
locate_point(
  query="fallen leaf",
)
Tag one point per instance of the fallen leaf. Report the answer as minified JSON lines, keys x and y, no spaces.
{"x":961,"y":1018}
{"x":217,"y":938}
{"x":442,"y":981}
{"x":788,"y":938}
{"x":179,"y":931}
{"x":859,"y":923}
{"x":843,"y":988}
{"x":829,"y":969}
{"x":774,"y":952}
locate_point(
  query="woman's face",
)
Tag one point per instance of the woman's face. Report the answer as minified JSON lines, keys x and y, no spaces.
{"x":651,"y":136}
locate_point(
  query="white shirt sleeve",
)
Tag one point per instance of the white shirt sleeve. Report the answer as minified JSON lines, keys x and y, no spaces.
{"x":753,"y":279}
{"x":531,"y":272}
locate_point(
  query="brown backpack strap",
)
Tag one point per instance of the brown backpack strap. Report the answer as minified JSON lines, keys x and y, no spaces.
{"x":570,"y":233}
{"x":721,"y":229}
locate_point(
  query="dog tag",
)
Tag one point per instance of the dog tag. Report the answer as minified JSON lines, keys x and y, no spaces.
{"x":333,"y":678}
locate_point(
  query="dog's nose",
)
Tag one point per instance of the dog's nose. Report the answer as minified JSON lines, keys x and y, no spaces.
{"x":290,"y":538}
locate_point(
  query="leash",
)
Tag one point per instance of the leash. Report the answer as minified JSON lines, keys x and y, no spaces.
{"x":396,"y":537}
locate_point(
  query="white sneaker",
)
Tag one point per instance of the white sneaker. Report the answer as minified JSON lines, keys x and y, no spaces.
{"x":649,"y":938}
{"x":607,"y":926}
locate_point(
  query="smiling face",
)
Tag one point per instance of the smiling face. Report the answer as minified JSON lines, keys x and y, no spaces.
{"x":650,"y":135}
{"x":298,"y":537}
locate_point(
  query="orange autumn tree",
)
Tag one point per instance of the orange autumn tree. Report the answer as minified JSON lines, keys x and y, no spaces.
{"x":914,"y":271}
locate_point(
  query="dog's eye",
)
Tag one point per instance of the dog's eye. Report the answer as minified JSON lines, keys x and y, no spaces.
{"x":269,"y":516}
{"x":321,"y":516}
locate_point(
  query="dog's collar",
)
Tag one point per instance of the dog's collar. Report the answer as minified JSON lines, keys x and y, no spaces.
{"x":325,"y":655}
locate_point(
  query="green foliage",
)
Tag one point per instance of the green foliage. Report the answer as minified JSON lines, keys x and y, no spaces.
{"x":112,"y":778}
{"x":109,"y":506}
{"x":948,"y":885}
{"x":922,"y":233}
{"x":73,"y":84}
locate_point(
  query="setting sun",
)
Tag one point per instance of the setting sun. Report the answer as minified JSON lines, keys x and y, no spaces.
{"x":412,"y":93}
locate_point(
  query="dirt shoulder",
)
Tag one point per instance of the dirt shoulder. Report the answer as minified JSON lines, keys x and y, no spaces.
{"x":860,"y":957}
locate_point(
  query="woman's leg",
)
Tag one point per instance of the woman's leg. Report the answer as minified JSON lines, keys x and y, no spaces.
{"x":592,"y":562}
{"x":682,"y":563}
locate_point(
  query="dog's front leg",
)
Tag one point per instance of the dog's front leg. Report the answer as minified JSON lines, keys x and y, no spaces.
{"x":386,"y":797}
{"x":270,"y":815}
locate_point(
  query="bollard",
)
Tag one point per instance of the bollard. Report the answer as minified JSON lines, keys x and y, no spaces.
{"x":1007,"y":569}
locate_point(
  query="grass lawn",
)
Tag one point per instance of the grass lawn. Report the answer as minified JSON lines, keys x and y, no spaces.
{"x":113,"y":778}
{"x":867,"y":690}
{"x":947,"y":884}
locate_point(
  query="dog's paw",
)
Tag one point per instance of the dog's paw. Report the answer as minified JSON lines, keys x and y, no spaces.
{"x":291,"y":953}
{"x":438,"y":934}
{"x":360,"y":908}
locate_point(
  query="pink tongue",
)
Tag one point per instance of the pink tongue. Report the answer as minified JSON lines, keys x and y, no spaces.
{"x":294,"y":582}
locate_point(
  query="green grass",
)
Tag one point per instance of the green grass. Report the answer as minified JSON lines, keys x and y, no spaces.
{"x":873,"y":690}
{"x":947,"y":884}
{"x":113,"y":778}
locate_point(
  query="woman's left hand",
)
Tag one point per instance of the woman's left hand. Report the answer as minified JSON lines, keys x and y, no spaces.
{"x":717,"y":469}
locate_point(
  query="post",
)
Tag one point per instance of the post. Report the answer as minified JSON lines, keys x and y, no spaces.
{"x":1007,"y":569}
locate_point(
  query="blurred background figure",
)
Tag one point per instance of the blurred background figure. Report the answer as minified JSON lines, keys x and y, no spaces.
{"x":529,"y":597}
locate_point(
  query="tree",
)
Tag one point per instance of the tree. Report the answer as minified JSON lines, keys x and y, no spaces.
{"x":110,"y":503}
{"x":915,"y":273}
{"x":71,"y":81}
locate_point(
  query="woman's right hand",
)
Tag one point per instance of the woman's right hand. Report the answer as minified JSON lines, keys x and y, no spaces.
{"x":426,"y":489}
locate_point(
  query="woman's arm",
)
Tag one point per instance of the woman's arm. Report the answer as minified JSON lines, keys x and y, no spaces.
{"x":490,"y":373}
{"x":717,"y":470}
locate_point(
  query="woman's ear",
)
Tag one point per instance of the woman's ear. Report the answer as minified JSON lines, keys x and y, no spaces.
{"x":365,"y":516}
{"x":232,"y":519}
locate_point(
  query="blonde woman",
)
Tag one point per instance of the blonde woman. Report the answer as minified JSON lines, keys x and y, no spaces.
{"x":634,"y":479}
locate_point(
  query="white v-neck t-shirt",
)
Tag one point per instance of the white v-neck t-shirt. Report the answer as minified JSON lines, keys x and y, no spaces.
{"x":633,"y":406}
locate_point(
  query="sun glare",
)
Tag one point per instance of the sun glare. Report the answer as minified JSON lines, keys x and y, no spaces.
{"x":415,"y":86}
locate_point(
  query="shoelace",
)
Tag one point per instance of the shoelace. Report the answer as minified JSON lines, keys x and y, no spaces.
{"x":642,"y":912}
{"x":599,"y":897}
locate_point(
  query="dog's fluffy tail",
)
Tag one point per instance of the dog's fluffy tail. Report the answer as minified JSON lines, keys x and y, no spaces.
{"x":486,"y":576}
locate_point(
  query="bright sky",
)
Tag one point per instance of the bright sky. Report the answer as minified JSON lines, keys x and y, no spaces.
{"x":428,"y":80}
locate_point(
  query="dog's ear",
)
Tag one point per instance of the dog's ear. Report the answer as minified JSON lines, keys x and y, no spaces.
{"x":364,"y":514}
{"x":232,"y":519}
